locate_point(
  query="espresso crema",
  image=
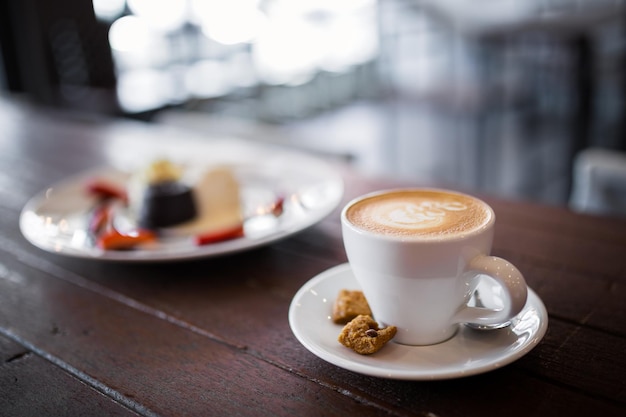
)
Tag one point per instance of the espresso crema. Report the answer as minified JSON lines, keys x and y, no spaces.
{"x":419,"y":213}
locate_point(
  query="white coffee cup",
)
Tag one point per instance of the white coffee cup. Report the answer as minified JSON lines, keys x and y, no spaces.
{"x":418,"y":255}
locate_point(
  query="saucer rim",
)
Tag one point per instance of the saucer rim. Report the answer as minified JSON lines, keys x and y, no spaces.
{"x":339,"y":272}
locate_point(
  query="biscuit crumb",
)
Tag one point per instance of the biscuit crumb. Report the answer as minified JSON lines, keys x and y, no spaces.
{"x":348,"y":305}
{"x":363,"y":335}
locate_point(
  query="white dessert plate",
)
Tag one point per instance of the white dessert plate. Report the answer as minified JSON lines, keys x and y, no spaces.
{"x":56,"y":219}
{"x":467,"y":353}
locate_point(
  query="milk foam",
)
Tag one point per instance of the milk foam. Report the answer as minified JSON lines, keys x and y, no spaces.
{"x":419,"y":213}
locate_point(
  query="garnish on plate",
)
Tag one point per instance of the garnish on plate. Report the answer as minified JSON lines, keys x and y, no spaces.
{"x":219,"y":235}
{"x":113,"y":239}
{"x":165,"y":199}
{"x":105,"y":190}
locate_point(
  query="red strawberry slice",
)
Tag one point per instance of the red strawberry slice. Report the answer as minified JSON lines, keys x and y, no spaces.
{"x":220,"y":235}
{"x":105,"y":190}
{"x":114,"y":240}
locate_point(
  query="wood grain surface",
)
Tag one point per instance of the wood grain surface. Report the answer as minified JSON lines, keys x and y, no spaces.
{"x":211,"y":336}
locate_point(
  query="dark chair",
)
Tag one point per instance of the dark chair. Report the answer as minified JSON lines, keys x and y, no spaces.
{"x":57,"y":53}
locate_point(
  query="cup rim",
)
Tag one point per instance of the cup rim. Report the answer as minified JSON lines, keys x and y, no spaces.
{"x":417,"y":239}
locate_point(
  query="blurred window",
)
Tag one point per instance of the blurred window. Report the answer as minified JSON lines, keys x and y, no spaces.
{"x":172,"y":51}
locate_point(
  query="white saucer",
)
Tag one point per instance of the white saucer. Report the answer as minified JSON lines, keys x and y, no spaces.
{"x":469,"y":352}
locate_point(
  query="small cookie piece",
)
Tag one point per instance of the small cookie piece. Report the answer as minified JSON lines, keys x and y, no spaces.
{"x":348,"y":305}
{"x":364,"y":336}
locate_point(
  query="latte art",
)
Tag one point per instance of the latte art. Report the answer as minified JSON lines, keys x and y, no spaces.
{"x":426,"y":213}
{"x":415,"y":216}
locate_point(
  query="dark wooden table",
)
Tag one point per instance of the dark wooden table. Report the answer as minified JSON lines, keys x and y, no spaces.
{"x":211,"y":337}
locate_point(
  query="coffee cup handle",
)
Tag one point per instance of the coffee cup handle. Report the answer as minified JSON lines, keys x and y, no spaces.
{"x":513,"y":284}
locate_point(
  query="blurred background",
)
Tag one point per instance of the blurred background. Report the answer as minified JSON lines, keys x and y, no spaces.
{"x":516,"y":99}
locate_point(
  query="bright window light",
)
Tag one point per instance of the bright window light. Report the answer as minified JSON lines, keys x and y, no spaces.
{"x":108,"y":10}
{"x":303,"y":7}
{"x":290,"y":41}
{"x":229,"y":22}
{"x":287,"y":50}
{"x":165,"y":15}
{"x":305,"y":36}
{"x":208,"y":78}
{"x":129,"y":33}
{"x":143,"y":90}
{"x":349,"y":40}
